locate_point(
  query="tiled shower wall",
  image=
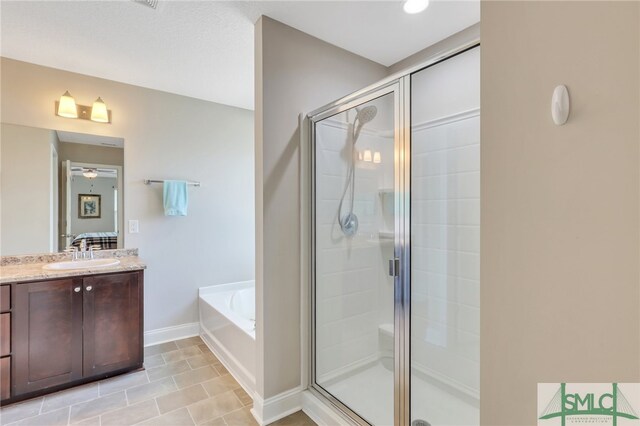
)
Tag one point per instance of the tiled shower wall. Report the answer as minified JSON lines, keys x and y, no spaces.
{"x":446,"y":251}
{"x":351,"y":283}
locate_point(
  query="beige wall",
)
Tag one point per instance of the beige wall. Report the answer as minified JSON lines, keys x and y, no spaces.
{"x":560,"y":299}
{"x":454,"y":41}
{"x":25,"y":188}
{"x":166,"y":137}
{"x":83,"y":153}
{"x":295,"y":73}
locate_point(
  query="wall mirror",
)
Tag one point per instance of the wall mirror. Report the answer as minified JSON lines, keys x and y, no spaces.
{"x":58,"y":189}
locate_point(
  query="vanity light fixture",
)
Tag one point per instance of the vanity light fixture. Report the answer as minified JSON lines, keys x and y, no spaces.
{"x":415,"y":6}
{"x":376,"y":157}
{"x":67,"y":107}
{"x":367,"y":156}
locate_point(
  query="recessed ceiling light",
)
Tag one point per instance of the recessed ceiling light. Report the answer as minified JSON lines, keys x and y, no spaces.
{"x":415,"y":6}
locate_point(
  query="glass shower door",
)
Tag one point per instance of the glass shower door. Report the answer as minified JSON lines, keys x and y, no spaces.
{"x":354,"y":204}
{"x":445,"y":241}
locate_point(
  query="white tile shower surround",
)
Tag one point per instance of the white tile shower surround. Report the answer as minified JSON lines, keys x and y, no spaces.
{"x":446,"y":238}
{"x":353,"y":290}
{"x":375,"y":403}
{"x":183,"y":384}
{"x":445,"y":302}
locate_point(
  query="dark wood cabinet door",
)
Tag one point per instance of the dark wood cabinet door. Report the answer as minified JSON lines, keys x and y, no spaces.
{"x":5,"y":298}
{"x":47,"y":334}
{"x":5,"y":377}
{"x":5,"y":334}
{"x":112,"y":323}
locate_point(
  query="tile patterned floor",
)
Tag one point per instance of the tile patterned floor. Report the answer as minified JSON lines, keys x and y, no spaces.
{"x":183,"y":384}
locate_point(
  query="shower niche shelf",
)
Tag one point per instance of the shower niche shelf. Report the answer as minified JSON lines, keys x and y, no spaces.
{"x":386,"y":235}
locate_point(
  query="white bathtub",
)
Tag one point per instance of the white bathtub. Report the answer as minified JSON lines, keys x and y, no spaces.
{"x":227,"y":325}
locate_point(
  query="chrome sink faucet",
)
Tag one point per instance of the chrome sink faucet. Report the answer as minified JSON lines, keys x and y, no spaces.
{"x":82,"y":252}
{"x":86,"y":252}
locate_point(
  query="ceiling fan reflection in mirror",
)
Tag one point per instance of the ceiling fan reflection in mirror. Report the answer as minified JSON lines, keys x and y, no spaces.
{"x":93,"y":172}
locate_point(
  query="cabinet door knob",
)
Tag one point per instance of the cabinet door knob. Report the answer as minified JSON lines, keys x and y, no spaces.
{"x":77,"y":289}
{"x":89,"y":288}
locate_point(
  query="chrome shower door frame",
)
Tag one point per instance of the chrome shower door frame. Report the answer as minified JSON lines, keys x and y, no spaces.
{"x":397,"y":87}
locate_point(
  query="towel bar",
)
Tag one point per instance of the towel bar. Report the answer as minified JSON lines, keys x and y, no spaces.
{"x":150,"y":181}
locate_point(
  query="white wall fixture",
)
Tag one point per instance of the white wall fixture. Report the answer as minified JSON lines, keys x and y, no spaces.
{"x":560,"y":105}
{"x":415,"y":6}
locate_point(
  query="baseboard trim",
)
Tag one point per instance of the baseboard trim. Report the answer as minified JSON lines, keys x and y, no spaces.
{"x":241,"y":374}
{"x":273,"y":409}
{"x":168,"y":334}
{"x":320,"y":412}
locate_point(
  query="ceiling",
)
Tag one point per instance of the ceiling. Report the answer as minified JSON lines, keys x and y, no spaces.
{"x":204,"y":49}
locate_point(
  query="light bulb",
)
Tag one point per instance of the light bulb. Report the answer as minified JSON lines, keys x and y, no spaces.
{"x":67,"y":106}
{"x":415,"y":6}
{"x":367,"y":156}
{"x":376,"y":157}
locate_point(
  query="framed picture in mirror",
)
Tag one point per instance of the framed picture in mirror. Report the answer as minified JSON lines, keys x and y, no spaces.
{"x":89,"y":206}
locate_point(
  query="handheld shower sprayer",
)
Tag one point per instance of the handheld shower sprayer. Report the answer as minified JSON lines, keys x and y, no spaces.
{"x":349,"y":221}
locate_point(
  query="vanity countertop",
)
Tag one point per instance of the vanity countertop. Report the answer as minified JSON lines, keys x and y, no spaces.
{"x":33,"y":271}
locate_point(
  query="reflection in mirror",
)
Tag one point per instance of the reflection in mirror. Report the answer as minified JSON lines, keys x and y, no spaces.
{"x":59,"y":189}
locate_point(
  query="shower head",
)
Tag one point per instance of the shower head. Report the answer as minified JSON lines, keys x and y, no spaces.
{"x":363,"y":116}
{"x":366,"y":114}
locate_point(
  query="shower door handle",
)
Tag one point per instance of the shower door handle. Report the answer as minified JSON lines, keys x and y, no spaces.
{"x":394,"y":267}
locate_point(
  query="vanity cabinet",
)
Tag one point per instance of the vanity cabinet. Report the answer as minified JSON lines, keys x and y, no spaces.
{"x":74,"y":330}
{"x":47,"y":335}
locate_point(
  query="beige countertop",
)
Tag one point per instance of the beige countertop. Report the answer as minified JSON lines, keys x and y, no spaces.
{"x":33,"y":271}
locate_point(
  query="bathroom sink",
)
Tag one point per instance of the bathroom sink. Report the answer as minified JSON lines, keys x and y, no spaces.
{"x":81,"y":264}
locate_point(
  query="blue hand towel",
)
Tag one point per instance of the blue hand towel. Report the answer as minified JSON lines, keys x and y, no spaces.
{"x":176,"y":198}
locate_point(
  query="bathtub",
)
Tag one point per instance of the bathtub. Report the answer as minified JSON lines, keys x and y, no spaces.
{"x":227,"y":325}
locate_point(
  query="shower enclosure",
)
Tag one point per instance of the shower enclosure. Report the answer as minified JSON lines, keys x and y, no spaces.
{"x":395,"y":246}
